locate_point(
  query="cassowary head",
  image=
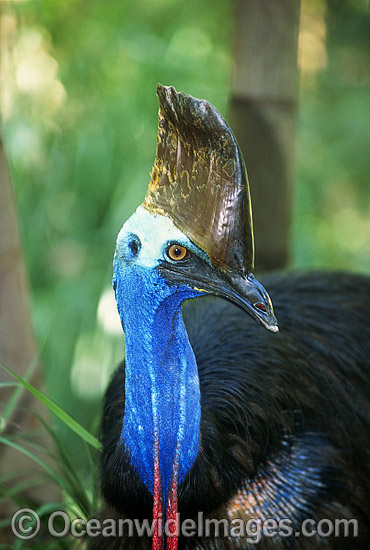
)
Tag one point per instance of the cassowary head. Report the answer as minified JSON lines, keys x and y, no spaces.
{"x":192,"y":236}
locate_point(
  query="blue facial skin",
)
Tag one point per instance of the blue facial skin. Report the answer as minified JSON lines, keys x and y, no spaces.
{"x":162,"y":396}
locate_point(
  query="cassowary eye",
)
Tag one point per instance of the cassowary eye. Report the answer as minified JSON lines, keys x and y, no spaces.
{"x":177,"y":252}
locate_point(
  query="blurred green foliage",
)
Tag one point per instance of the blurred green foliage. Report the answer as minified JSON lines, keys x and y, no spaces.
{"x":79,"y":117}
{"x":332,"y":217}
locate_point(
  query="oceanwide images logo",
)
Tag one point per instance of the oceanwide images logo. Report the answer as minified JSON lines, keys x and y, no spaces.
{"x":26,"y":524}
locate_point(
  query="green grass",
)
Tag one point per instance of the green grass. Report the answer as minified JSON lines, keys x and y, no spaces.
{"x":54,"y":467}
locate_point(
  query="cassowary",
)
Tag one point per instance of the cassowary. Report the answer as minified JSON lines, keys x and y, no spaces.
{"x":211,"y":416}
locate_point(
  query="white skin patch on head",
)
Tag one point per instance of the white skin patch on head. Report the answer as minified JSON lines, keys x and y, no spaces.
{"x":156,"y":233}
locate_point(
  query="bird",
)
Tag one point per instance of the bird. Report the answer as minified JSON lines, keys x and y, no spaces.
{"x":235,"y":407}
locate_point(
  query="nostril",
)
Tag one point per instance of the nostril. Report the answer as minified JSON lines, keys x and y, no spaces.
{"x":260,"y":306}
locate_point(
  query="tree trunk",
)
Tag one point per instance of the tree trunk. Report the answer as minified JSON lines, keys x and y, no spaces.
{"x":263,"y":115}
{"x":17,"y":345}
{"x":17,"y":348}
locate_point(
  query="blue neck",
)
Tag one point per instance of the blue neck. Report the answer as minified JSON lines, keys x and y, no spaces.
{"x":162,"y":397}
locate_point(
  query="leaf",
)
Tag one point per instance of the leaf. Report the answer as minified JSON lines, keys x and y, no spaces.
{"x":58,"y":411}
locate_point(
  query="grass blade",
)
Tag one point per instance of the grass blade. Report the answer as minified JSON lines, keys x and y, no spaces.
{"x":17,"y":394}
{"x":58,"y":411}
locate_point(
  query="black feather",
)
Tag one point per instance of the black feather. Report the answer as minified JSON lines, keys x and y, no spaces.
{"x":285,"y":417}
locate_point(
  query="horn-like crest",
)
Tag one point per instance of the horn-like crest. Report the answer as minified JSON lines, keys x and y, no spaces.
{"x":200,"y":182}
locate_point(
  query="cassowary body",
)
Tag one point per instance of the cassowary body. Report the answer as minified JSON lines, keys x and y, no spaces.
{"x":210,"y":416}
{"x":285,"y":419}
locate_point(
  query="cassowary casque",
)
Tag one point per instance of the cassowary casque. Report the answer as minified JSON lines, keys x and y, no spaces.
{"x":211,"y":417}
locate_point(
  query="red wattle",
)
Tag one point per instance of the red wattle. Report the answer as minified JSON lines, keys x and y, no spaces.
{"x":171,"y":517}
{"x":172,"y":506}
{"x":157,"y":501}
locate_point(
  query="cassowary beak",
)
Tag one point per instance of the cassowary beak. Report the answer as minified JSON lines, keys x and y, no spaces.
{"x":243,"y":290}
{"x":250,"y":295}
{"x":246,"y":292}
